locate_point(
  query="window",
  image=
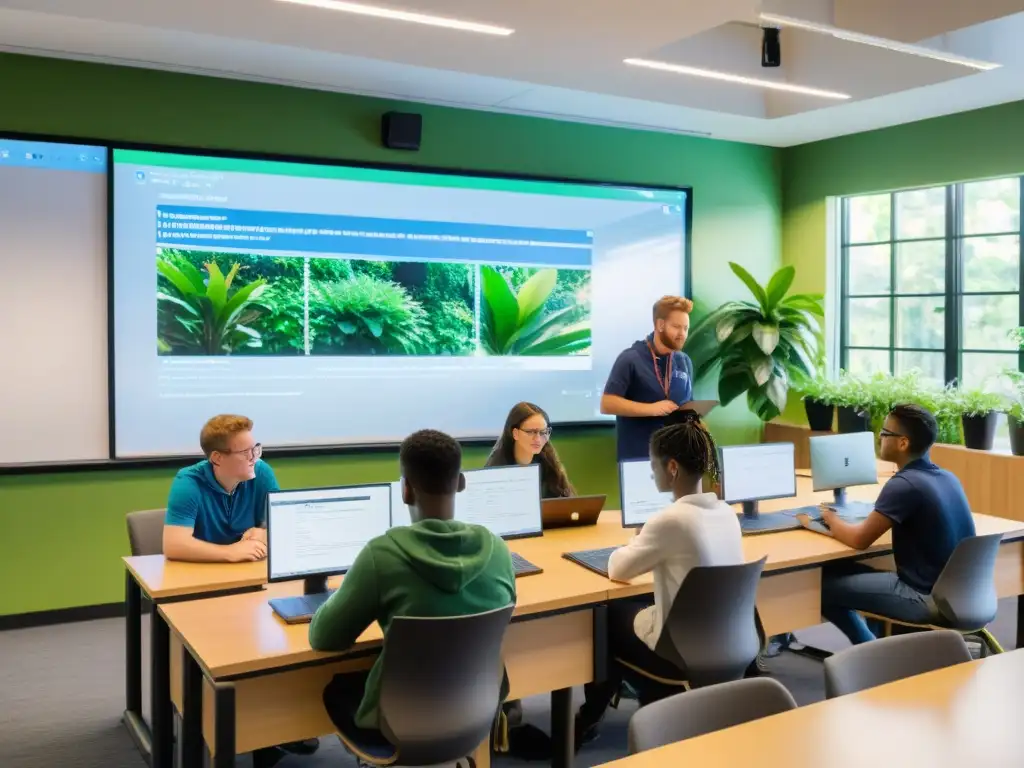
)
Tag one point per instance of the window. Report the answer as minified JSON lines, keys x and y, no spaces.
{"x":931,"y":281}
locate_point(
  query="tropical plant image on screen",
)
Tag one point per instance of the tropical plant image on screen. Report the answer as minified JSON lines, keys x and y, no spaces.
{"x":527,"y":311}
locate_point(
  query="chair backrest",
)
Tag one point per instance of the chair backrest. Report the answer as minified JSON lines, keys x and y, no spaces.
{"x":146,"y":531}
{"x":710,"y":631}
{"x":892,"y":658}
{"x":965,"y":592}
{"x":694,"y":713}
{"x":441,"y":684}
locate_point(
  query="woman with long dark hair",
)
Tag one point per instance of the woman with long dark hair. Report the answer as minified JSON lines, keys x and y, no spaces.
{"x":526,"y":439}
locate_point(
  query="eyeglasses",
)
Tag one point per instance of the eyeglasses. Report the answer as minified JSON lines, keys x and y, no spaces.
{"x":888,"y":433}
{"x":542,"y":433}
{"x":250,"y":453}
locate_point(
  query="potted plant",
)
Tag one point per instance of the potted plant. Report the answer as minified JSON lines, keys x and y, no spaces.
{"x":1015,"y":413}
{"x":760,"y":346}
{"x":819,"y":401}
{"x":853,"y":401}
{"x":979,"y":414}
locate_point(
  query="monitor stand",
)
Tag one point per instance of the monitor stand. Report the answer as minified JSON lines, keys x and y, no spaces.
{"x":839,"y":497}
{"x":751,"y":521}
{"x":314,"y":585}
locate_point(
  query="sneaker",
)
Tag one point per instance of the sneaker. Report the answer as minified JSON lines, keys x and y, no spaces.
{"x":305,"y":747}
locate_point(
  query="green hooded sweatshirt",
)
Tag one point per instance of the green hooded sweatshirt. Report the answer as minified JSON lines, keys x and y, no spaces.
{"x":432,"y":568}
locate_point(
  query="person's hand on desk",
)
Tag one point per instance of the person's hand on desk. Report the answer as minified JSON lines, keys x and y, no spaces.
{"x":258,"y":534}
{"x":823,"y":526}
{"x":662,"y":408}
{"x":247,"y":550}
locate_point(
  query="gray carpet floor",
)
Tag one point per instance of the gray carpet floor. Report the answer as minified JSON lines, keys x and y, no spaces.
{"x":62,"y":692}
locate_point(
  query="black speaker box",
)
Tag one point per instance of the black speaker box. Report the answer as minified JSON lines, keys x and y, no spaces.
{"x":401,"y":130}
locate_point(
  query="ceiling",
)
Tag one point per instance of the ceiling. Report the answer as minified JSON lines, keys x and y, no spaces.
{"x":565,"y":59}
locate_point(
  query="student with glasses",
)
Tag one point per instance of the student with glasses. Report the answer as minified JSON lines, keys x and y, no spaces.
{"x":927,"y":511}
{"x":216,"y":508}
{"x":526,"y":439}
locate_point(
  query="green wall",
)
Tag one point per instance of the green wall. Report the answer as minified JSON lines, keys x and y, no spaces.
{"x":62,"y":534}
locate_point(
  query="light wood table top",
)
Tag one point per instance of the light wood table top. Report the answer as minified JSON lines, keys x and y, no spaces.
{"x":163,"y":579}
{"x":968,"y":714}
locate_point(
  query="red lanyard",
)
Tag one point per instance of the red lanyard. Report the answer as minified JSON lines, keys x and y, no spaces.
{"x":666,"y":384}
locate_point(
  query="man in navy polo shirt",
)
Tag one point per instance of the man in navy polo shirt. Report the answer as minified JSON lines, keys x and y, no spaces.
{"x":650,"y":379}
{"x":927,"y":510}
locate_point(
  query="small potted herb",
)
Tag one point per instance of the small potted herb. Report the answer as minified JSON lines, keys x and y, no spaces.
{"x":979,"y":414}
{"x":852,"y":399}
{"x":819,"y":401}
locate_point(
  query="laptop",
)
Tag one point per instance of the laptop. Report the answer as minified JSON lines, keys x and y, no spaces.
{"x":571,"y":511}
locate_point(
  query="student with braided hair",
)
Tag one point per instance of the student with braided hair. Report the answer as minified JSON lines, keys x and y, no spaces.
{"x":697,"y":529}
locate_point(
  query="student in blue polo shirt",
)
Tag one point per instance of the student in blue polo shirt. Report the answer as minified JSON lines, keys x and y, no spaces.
{"x":927,"y":511}
{"x":650,"y":379}
{"x":216,"y":508}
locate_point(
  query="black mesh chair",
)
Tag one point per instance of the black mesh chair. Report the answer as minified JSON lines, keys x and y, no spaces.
{"x":146,"y":531}
{"x":892,"y":658}
{"x":442,"y":685}
{"x":710,"y":633}
{"x":964,"y":593}
{"x":687,"y":715}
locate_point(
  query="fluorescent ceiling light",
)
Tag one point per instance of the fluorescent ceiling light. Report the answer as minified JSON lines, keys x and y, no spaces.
{"x":396,"y":15}
{"x":877,"y":42}
{"x":712,"y":74}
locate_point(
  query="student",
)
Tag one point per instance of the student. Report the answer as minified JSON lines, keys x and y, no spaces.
{"x":697,"y":529}
{"x":435,"y":567}
{"x":927,"y":510}
{"x":526,"y":439}
{"x":650,"y":379}
{"x":216,"y":512}
{"x":216,"y":508}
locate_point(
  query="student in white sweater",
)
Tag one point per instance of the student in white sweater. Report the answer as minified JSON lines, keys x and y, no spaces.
{"x":697,"y":529}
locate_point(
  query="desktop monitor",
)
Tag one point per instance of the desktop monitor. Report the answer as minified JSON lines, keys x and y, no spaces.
{"x":505,"y":500}
{"x":753,"y":473}
{"x":640,"y":496}
{"x":399,"y":509}
{"x":841,"y":461}
{"x":318,"y":532}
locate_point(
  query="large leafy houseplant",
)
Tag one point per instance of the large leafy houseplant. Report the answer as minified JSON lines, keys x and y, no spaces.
{"x":206,"y":316}
{"x":518,"y":324}
{"x":760,"y":347}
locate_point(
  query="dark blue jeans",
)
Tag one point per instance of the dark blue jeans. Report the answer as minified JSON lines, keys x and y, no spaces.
{"x":850,"y":587}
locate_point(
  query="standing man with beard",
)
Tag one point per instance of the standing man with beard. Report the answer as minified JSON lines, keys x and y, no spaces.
{"x":650,"y":379}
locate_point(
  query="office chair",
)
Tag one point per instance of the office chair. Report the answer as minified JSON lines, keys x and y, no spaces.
{"x":441,"y":690}
{"x":964,"y":593}
{"x":892,"y":658}
{"x":686,"y":715}
{"x":146,"y":531}
{"x":710,"y":632}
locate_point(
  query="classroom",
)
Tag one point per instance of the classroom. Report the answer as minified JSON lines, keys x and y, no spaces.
{"x":519,"y":204}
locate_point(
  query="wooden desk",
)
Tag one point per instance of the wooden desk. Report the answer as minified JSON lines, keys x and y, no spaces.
{"x":247,"y":680}
{"x":963,"y":715}
{"x":163,"y":581}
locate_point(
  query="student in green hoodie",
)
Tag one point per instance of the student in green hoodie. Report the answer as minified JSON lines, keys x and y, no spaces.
{"x":435,"y":567}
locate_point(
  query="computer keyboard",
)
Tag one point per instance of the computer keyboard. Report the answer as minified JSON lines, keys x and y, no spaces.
{"x":523,"y":567}
{"x":595,"y":560}
{"x":853,"y":510}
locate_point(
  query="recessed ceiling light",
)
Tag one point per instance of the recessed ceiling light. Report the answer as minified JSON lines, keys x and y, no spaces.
{"x":396,"y":15}
{"x":877,"y":42}
{"x":712,"y":74}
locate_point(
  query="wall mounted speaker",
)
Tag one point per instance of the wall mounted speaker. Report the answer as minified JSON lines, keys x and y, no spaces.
{"x":401,"y":130}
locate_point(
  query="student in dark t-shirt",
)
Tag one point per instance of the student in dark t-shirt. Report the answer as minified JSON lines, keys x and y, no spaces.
{"x":927,"y":511}
{"x":526,"y":439}
{"x":650,"y":379}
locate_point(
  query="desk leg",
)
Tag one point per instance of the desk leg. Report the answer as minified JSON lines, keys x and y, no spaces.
{"x":562,"y":741}
{"x":224,"y":725}
{"x":1020,"y":622}
{"x":133,"y":721}
{"x":162,"y":725}
{"x":192,"y":702}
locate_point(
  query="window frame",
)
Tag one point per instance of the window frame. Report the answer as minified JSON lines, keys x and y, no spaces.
{"x":953,"y":238}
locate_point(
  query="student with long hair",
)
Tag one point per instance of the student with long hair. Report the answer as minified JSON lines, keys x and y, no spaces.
{"x":526,"y":439}
{"x":697,"y":529}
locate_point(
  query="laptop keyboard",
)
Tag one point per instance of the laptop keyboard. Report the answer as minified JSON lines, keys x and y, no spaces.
{"x":522,"y":566}
{"x":594,"y":559}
